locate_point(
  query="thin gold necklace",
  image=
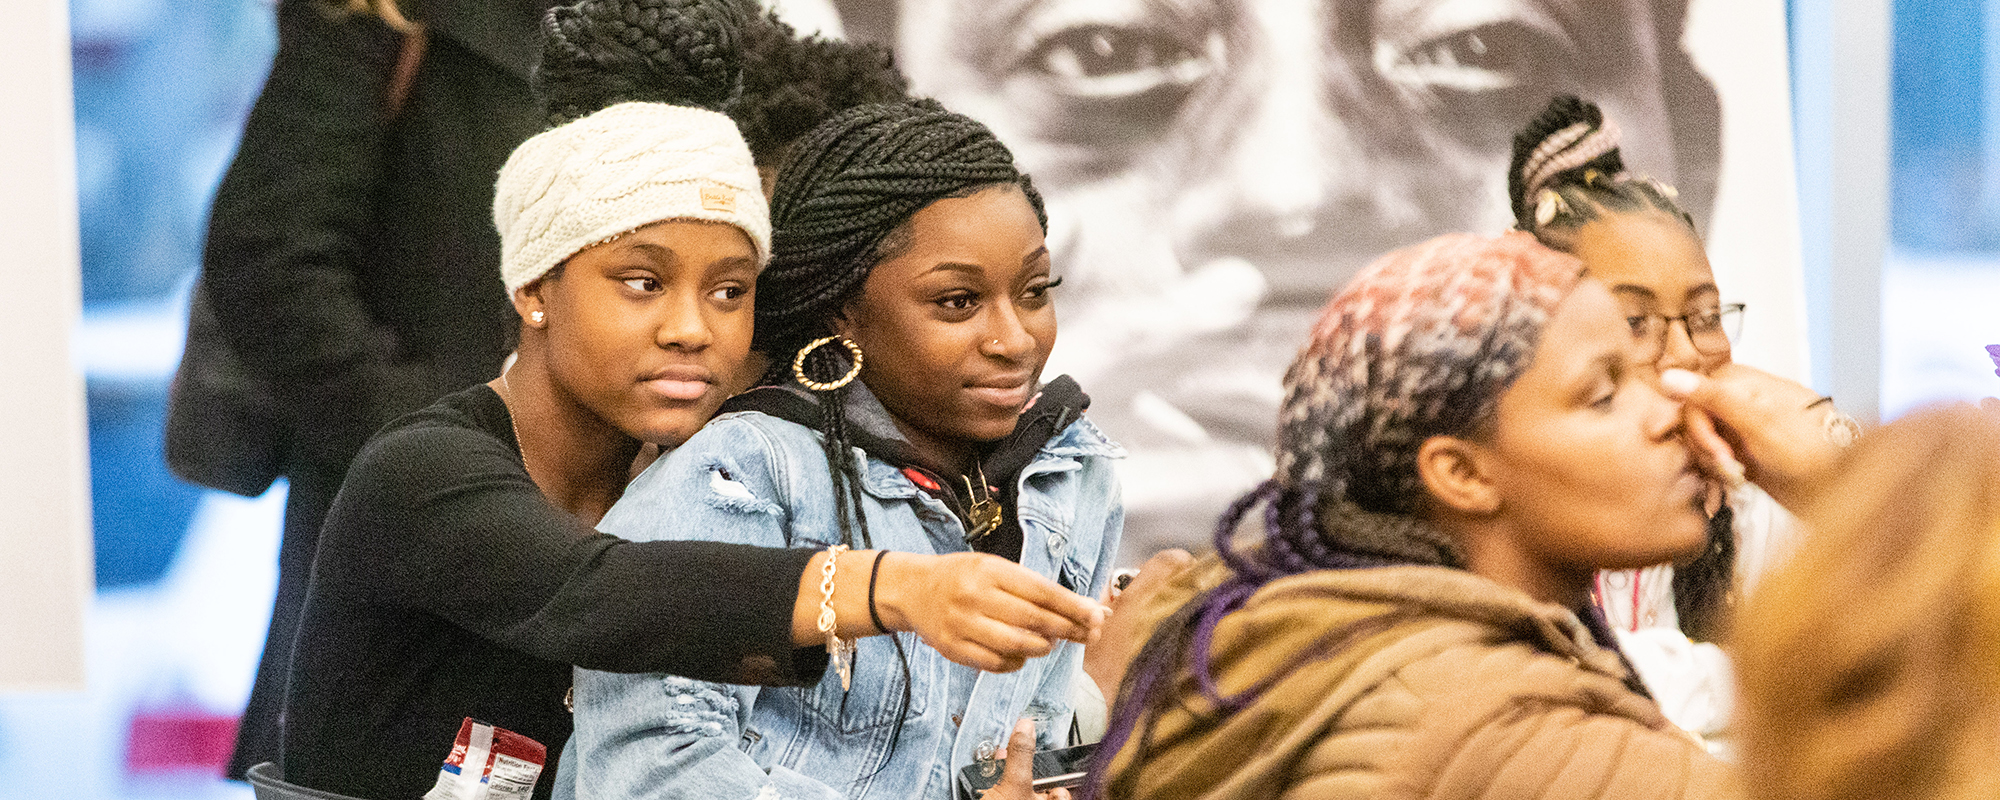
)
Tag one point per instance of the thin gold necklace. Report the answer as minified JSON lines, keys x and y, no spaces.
{"x":514,"y":424}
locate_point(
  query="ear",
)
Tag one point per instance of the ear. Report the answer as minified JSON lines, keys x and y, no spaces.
{"x":528,"y":300}
{"x":842,"y":322}
{"x":1458,"y":475}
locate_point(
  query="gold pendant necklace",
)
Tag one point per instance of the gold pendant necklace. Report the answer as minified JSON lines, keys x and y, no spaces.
{"x":983,"y":514}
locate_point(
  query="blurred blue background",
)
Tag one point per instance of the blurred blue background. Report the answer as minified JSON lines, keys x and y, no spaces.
{"x":184,"y":576}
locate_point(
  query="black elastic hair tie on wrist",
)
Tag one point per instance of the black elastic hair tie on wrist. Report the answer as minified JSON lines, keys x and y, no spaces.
{"x":875,"y":569}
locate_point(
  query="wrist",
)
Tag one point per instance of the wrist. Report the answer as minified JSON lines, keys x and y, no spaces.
{"x":893,"y":579}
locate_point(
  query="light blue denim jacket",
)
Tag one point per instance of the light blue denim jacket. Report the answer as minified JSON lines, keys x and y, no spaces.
{"x":755,"y":479}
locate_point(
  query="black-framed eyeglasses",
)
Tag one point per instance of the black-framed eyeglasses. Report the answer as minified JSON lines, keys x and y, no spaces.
{"x":1710,"y":330}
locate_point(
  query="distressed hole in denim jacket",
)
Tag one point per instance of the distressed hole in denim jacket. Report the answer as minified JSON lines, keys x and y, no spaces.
{"x":729,"y":494}
{"x":697,"y":707}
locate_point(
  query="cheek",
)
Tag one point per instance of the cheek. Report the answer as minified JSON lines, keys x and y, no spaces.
{"x":1587,"y":485}
{"x":587,"y":347}
{"x":1041,"y":324}
{"x":1711,"y":363}
{"x":733,"y":331}
{"x":901,"y":354}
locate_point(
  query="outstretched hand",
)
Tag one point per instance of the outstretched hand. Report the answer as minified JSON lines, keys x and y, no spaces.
{"x":981,"y":610}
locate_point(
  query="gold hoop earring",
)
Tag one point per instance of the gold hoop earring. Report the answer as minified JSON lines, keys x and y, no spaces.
{"x":799,"y":364}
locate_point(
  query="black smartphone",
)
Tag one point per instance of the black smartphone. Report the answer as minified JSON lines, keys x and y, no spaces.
{"x":1054,"y":769}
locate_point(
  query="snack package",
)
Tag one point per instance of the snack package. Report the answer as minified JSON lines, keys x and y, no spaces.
{"x":489,"y":763}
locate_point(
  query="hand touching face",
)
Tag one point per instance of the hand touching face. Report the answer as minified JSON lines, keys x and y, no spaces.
{"x":1588,"y":460}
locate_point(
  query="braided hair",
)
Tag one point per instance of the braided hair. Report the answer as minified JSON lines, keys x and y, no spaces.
{"x":1566,"y":172}
{"x":1420,"y":344}
{"x":596,"y":53}
{"x":844,"y":199}
{"x":792,"y":83}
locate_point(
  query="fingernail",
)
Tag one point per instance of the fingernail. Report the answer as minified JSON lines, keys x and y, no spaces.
{"x":1732,"y":470}
{"x":1679,"y":382}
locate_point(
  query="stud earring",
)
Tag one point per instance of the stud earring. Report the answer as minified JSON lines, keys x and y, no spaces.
{"x":536,"y":317}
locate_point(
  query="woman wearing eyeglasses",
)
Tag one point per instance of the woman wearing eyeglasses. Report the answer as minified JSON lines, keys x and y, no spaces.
{"x":1569,"y":188}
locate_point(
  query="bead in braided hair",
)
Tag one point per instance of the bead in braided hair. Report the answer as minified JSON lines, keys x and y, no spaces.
{"x":1420,"y":344}
{"x":596,"y":53}
{"x":1567,"y":170}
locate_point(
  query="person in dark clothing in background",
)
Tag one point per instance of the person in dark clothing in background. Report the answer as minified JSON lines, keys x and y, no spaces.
{"x":350,"y":249}
{"x":458,"y":574}
{"x":351,"y":246}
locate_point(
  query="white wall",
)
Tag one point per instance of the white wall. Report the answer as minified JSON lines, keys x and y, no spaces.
{"x":1753,"y":236}
{"x":45,"y":566}
{"x":1842,"y":82}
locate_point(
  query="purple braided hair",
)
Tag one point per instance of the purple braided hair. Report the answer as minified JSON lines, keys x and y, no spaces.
{"x":1420,"y":344}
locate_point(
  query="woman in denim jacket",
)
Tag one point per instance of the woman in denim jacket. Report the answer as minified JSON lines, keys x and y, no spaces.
{"x":906,"y":241}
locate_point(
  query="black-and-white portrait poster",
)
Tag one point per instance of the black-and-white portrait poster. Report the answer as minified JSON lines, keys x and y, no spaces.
{"x":1215,"y":169}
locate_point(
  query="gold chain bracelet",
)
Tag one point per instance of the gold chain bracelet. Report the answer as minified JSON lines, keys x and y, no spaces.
{"x":840,"y":650}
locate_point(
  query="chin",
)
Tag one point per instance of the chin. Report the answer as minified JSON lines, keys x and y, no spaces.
{"x":670,"y":430}
{"x":1692,"y":546}
{"x":993,"y":430}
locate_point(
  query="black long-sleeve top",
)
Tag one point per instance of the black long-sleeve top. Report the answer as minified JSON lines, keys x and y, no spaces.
{"x":447,"y":586}
{"x":351,"y":258}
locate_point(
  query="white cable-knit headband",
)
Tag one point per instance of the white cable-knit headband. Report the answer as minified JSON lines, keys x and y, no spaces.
{"x":622,"y":168}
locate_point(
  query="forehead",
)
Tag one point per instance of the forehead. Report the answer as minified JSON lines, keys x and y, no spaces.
{"x":1645,"y":250}
{"x":994,"y":219}
{"x":1586,"y":329}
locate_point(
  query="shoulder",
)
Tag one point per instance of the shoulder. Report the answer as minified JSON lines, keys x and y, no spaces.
{"x":738,"y":427}
{"x":458,"y":438}
{"x":1430,"y":644}
{"x":1082,"y":439}
{"x":745,"y":443}
{"x":740,"y":464}
{"x":1469,"y":698}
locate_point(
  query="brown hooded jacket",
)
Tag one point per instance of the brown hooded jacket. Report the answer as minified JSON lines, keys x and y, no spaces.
{"x":1430,"y":682}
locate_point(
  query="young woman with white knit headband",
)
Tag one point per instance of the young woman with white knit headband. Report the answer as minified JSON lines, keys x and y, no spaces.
{"x":459,"y":574}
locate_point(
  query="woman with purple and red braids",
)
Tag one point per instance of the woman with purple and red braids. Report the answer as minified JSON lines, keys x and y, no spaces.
{"x":1465,"y":441}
